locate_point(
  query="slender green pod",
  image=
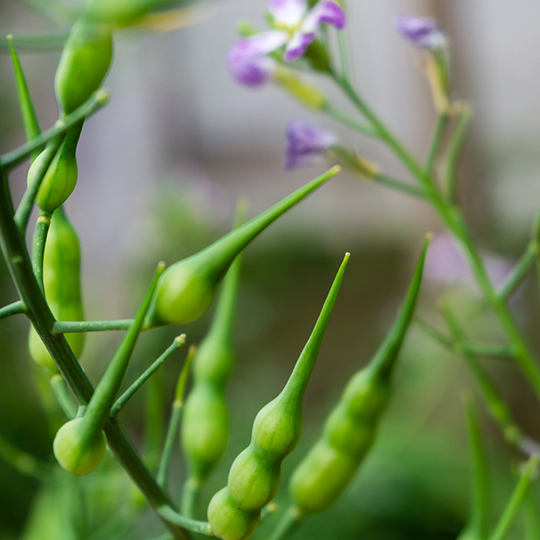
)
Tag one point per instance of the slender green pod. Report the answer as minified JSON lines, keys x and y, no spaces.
{"x":85,"y":61}
{"x":79,"y":445}
{"x":351,"y":427}
{"x":126,"y":12}
{"x":62,"y":284}
{"x":235,"y":511}
{"x":61,"y":176}
{"x":205,"y":422}
{"x":187,"y":288}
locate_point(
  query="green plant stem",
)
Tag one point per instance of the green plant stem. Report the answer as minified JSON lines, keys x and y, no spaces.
{"x":68,"y":327}
{"x":436,"y":141}
{"x":345,"y":54}
{"x":22,"y":216}
{"x":190,"y":495}
{"x":532,"y":518}
{"x":23,"y":462}
{"x":476,"y":349}
{"x":290,"y":520}
{"x":12,"y":309}
{"x":130,"y":392}
{"x":60,"y":389}
{"x":174,"y":421}
{"x":455,"y":151}
{"x":20,"y":268}
{"x":399,"y":185}
{"x":98,"y":100}
{"x":346,"y":120}
{"x":513,"y":281}
{"x":202,"y":527}
{"x":453,"y":219}
{"x":509,"y":514}
{"x":38,"y":250}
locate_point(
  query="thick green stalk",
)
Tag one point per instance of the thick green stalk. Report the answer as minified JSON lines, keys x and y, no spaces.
{"x":130,"y":392}
{"x":20,"y":267}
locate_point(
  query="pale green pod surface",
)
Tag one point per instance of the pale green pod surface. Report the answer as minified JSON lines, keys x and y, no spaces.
{"x":205,"y":430}
{"x":367,"y":395}
{"x":321,"y":478}
{"x":85,"y":61}
{"x":77,"y":453}
{"x":227,"y":521}
{"x":122,"y":12}
{"x":62,"y":283}
{"x":253,"y":480}
{"x":214,"y":361}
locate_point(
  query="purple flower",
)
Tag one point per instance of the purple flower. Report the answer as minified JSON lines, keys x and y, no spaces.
{"x":422,"y":32}
{"x":305,"y":144}
{"x":295,"y":28}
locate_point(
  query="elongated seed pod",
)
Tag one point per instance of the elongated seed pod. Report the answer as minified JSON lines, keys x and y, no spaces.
{"x":234,"y":512}
{"x":61,"y":176}
{"x":187,"y":288}
{"x":79,"y":445}
{"x":205,"y":421}
{"x":85,"y":61}
{"x":351,"y":427}
{"x":62,"y":283}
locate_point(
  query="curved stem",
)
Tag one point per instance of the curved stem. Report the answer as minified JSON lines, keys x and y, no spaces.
{"x":202,"y":527}
{"x":12,"y":309}
{"x":190,"y":494}
{"x":20,"y":267}
{"x":38,"y":251}
{"x":60,"y":389}
{"x":288,"y":524}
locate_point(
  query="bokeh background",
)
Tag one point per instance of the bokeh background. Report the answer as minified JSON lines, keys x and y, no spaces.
{"x":160,"y":170}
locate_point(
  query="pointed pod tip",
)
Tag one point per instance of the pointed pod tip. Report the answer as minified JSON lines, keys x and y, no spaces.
{"x":160,"y":266}
{"x":180,"y":340}
{"x":9,"y":38}
{"x":335,"y":169}
{"x":347,"y":256}
{"x":103,"y":96}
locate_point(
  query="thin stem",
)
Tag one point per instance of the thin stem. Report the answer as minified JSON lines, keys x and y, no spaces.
{"x":516,"y":499}
{"x":436,"y":141}
{"x":202,"y":527}
{"x":290,"y":520}
{"x":12,"y":309}
{"x":399,"y":185}
{"x":455,"y":151}
{"x":130,"y":392}
{"x":96,"y":102}
{"x":23,"y":462}
{"x":38,"y":251}
{"x":190,"y":495}
{"x":475,"y":349}
{"x":60,"y":389}
{"x":346,"y":120}
{"x":345,"y":55}
{"x":20,"y":267}
{"x":513,"y":281}
{"x":69,"y":327}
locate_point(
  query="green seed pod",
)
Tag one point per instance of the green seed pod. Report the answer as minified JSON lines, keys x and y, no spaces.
{"x":61,"y":176}
{"x":187,"y":288}
{"x":125,"y":12}
{"x":78,"y":450}
{"x":79,"y":445}
{"x":62,"y":283}
{"x":85,"y":61}
{"x":350,"y":430}
{"x":205,"y":422}
{"x":255,"y":474}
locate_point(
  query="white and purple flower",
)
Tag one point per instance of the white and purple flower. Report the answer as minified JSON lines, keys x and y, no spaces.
{"x":305,"y":144}
{"x":295,"y":27}
{"x":422,"y":32}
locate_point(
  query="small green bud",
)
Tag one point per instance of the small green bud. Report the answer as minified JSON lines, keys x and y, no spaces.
{"x":77,"y":450}
{"x":85,"y":61}
{"x":187,"y":288}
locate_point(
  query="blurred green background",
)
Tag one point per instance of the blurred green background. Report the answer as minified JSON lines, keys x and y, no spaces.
{"x":161,"y":169}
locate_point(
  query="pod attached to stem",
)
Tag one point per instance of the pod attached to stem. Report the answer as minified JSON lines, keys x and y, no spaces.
{"x":187,"y":288}
{"x":234,"y":512}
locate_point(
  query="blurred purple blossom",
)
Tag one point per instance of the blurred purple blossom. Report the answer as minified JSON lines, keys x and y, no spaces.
{"x":446,"y":263}
{"x":305,"y":144}
{"x":422,"y":32}
{"x":295,"y":28}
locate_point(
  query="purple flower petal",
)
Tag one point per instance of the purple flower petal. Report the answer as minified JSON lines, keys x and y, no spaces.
{"x":305,"y":143}
{"x":247,"y":60}
{"x":422,"y":32}
{"x":288,"y":13}
{"x":297,"y":46}
{"x":325,"y":11}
